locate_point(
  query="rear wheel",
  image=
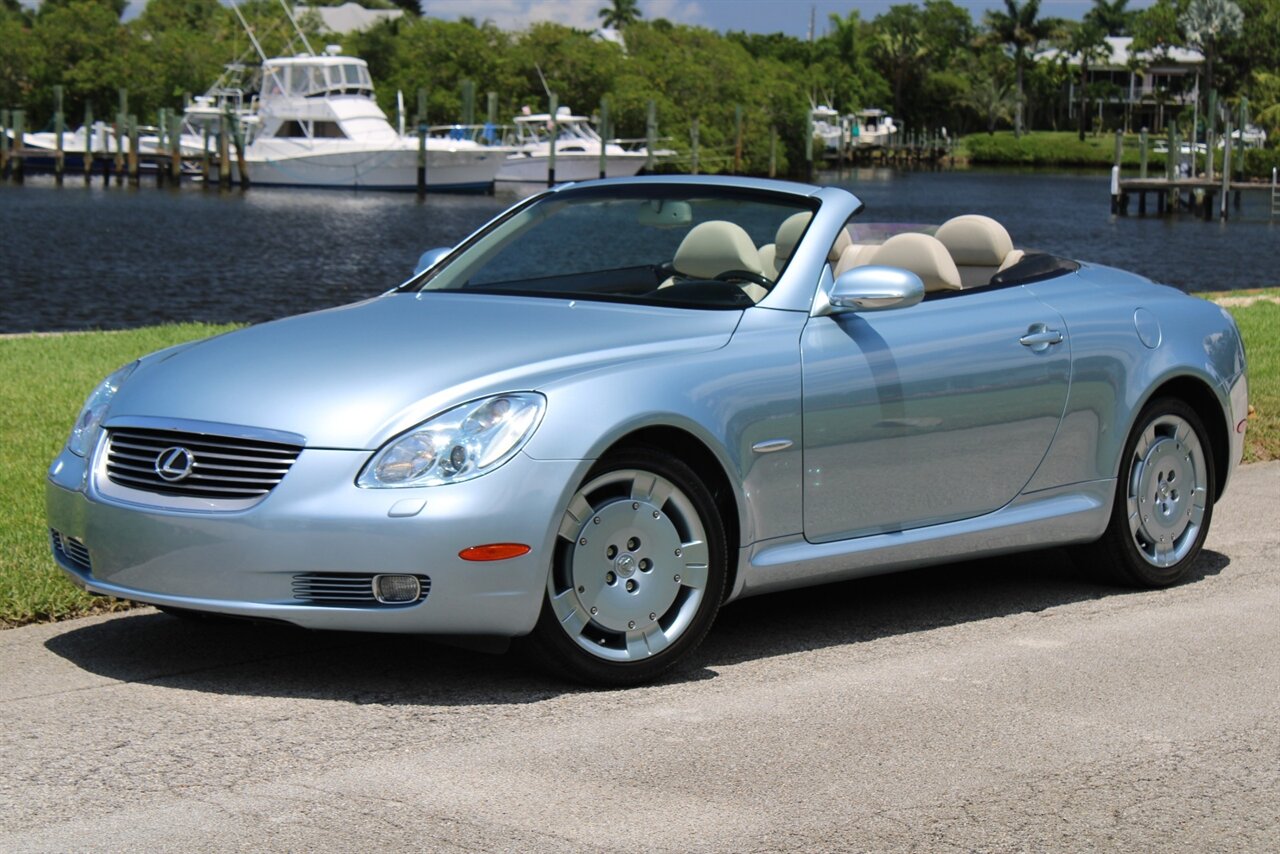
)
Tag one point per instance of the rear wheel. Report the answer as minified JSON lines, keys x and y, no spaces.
{"x":1164,"y":500}
{"x":637,"y":575}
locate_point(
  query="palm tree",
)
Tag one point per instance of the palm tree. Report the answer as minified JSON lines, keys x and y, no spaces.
{"x":1208,"y":22}
{"x":898,"y":46}
{"x":1087,"y":40}
{"x":1021,"y":27}
{"x":623,"y":13}
{"x":1113,"y":18}
{"x":844,"y":32}
{"x":990,"y":99}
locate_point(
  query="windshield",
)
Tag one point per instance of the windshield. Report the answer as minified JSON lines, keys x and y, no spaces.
{"x":664,"y":245}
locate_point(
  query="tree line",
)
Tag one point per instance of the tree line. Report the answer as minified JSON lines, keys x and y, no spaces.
{"x":931,"y":65}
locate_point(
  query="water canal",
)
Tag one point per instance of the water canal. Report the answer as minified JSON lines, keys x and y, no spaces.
{"x":109,"y":258}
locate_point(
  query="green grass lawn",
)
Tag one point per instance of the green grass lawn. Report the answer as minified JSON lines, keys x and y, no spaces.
{"x":1046,"y":148}
{"x":1257,"y":312}
{"x":1051,"y":148}
{"x":44,"y":381}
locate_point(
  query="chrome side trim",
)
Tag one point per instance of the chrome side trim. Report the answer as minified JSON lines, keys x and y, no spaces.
{"x":1072,"y":514}
{"x":771,"y":446}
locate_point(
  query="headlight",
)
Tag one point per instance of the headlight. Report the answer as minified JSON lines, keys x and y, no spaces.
{"x":464,"y":442}
{"x":85,"y":433}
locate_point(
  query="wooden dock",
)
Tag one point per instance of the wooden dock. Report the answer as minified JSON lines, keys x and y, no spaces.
{"x":1196,"y":195}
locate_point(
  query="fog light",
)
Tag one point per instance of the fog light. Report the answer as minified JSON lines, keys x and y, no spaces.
{"x":396,"y":588}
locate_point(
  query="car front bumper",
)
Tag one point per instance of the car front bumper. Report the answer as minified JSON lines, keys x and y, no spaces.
{"x":316,"y":520}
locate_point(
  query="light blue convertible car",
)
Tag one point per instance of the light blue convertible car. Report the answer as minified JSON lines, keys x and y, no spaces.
{"x":621,"y":405}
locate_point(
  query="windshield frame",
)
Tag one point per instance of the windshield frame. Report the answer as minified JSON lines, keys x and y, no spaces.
{"x":638,"y":190}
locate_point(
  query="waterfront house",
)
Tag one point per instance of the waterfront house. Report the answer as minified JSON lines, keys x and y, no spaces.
{"x":1140,"y":89}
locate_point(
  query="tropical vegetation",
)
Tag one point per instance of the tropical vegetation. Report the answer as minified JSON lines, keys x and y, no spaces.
{"x":929,"y":64}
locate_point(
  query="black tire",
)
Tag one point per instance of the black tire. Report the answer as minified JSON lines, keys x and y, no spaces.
{"x":1163,"y":503}
{"x":637,"y":577}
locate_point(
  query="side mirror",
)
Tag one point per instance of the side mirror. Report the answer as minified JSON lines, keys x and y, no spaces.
{"x":428,"y":259}
{"x":875,"y":288}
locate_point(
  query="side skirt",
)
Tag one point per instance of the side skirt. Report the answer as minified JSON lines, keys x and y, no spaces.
{"x":1077,"y":513}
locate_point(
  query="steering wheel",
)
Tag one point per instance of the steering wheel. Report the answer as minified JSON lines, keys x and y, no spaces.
{"x":745,"y":276}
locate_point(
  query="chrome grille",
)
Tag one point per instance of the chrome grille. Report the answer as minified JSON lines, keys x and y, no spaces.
{"x":71,"y":550}
{"x":334,"y":588}
{"x":221,"y":466}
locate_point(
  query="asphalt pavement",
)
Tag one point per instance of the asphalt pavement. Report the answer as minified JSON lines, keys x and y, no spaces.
{"x":1001,"y":705}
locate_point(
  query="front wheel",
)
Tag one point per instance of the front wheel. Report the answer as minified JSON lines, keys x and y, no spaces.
{"x":637,"y":575}
{"x":1164,"y":500}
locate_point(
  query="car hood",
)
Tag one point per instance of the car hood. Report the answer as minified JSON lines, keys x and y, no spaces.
{"x":353,"y":376}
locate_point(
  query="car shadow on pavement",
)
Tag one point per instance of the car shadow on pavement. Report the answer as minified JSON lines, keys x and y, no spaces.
{"x":261,"y":659}
{"x":916,"y":601}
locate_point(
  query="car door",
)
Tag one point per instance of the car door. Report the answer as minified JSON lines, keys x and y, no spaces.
{"x":927,"y":414}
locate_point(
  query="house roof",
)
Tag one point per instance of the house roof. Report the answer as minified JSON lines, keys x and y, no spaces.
{"x":1119,"y":51}
{"x":349,"y":17}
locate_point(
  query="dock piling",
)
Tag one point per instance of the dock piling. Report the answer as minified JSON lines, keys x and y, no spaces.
{"x":604,"y":136}
{"x":422,"y":142}
{"x":4,"y":144}
{"x":693,"y":151}
{"x":808,"y":145}
{"x":204,"y":157}
{"x":237,"y":138}
{"x":88,"y":144}
{"x":117,"y":130}
{"x":737,"y":139}
{"x":59,"y":127}
{"x":175,"y":143}
{"x":1224,"y":203}
{"x":18,"y":118}
{"x":551,"y":149}
{"x":132,"y":157}
{"x":650,"y":134}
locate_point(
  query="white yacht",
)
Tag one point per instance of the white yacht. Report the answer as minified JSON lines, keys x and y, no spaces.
{"x":577,"y":148}
{"x":828,"y":127}
{"x":315,"y":123}
{"x":872,"y":128}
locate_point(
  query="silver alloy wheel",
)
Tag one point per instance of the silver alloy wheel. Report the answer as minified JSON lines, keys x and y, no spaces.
{"x":1167,"y":490}
{"x":632,"y":570}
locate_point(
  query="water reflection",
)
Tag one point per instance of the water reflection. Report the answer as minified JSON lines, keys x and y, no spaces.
{"x":82,"y":258}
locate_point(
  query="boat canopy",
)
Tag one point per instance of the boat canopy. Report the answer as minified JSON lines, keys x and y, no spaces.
{"x":316,"y":77}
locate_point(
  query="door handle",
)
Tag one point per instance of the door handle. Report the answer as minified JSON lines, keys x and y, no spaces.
{"x":1039,"y":337}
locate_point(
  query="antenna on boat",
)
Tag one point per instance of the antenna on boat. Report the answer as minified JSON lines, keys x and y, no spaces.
{"x":545,"y":87}
{"x":296,"y":28}
{"x":262,"y":55}
{"x":248,"y":31}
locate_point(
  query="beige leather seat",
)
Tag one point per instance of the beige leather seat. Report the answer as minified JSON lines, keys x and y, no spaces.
{"x":980,"y":247}
{"x":774,"y":256}
{"x":718,"y":246}
{"x":855,"y":255}
{"x":921,"y":254}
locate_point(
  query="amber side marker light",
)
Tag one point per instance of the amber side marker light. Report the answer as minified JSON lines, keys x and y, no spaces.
{"x":494,"y":551}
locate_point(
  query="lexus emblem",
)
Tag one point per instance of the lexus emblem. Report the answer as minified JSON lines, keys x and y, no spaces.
{"x":174,"y":464}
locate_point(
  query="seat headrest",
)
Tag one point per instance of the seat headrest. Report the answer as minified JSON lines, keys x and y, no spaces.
{"x":975,"y":240}
{"x":789,"y":235}
{"x":923,"y":255}
{"x":843,"y":242}
{"x":714,"y":247}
